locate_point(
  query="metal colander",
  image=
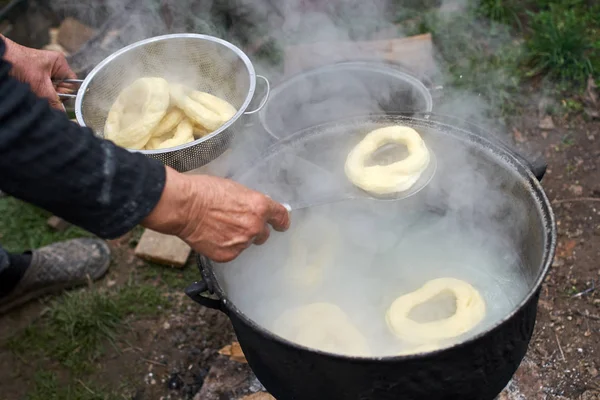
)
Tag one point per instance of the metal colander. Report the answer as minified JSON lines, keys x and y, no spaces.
{"x":203,"y":62}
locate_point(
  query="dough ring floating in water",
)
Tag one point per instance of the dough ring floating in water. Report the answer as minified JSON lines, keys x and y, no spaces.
{"x":313,"y":244}
{"x":322,"y":326}
{"x":139,"y":108}
{"x":385,"y":179}
{"x":470,"y":310}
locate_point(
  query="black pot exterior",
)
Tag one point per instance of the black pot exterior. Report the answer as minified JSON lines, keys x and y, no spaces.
{"x":476,"y":370}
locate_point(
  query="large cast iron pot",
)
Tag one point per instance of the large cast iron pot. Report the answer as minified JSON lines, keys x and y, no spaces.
{"x":477,"y":368}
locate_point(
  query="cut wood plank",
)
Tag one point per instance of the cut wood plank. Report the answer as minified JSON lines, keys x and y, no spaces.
{"x":72,"y":34}
{"x":414,"y":52}
{"x":162,"y":249}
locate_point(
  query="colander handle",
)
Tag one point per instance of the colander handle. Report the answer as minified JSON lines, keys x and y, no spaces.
{"x":65,"y":96}
{"x":265,"y":99}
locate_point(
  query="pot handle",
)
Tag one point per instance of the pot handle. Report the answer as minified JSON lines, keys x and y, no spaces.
{"x":538,"y":166}
{"x":194,"y":292}
{"x":265,"y":99}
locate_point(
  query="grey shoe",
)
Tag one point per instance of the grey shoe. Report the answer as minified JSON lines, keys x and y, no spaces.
{"x":57,"y":267}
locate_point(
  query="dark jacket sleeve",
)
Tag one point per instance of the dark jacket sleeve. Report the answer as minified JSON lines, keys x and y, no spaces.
{"x":53,"y":163}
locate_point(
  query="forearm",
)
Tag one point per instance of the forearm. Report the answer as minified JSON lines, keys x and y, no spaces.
{"x":47,"y":160}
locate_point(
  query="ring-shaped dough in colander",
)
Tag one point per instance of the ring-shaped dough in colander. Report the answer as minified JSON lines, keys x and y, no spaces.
{"x":169,"y":122}
{"x":385,"y":179}
{"x":183,"y":134}
{"x":206,"y":112}
{"x":470,"y":310}
{"x":322,"y":326}
{"x":137,"y":111}
{"x":217,"y":105}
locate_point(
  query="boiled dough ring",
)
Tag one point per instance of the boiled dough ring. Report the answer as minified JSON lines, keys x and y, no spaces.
{"x":139,"y":108}
{"x":169,"y":122}
{"x":470,"y":310}
{"x":322,"y":326}
{"x":217,"y":105}
{"x":307,"y":261}
{"x":201,"y":107}
{"x":183,"y":134}
{"x":395,"y":177}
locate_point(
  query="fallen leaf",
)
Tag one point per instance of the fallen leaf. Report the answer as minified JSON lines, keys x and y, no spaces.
{"x":565,"y":249}
{"x":546,"y":123}
{"x":518,"y":135}
{"x":234,"y":352}
{"x":577,"y":190}
{"x":590,"y":94}
{"x":259,"y":396}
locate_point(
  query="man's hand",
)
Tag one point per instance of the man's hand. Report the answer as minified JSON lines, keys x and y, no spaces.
{"x":217,"y":217}
{"x":38,"y":68}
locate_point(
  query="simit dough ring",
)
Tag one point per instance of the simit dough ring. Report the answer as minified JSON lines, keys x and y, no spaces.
{"x":310,"y":254}
{"x":470,"y":310}
{"x":169,"y":122}
{"x":139,"y":108}
{"x":395,"y":177}
{"x":206,"y":113}
{"x":322,"y":326}
{"x":215,"y":104}
{"x":183,"y":134}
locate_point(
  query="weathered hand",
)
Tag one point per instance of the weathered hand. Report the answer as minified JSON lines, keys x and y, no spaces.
{"x":217,"y":217}
{"x":38,"y":68}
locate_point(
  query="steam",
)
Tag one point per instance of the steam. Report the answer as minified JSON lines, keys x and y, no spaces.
{"x":388,"y":249}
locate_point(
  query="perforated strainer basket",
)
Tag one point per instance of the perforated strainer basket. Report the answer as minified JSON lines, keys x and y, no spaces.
{"x":203,"y":62}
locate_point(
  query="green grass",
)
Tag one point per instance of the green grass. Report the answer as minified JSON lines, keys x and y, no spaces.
{"x":173,"y":278}
{"x":501,"y":11}
{"x":23,"y":227}
{"x":47,"y":387}
{"x":77,"y":327}
{"x":561,"y":45}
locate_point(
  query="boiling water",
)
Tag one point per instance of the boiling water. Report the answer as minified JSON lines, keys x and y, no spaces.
{"x":377,"y":253}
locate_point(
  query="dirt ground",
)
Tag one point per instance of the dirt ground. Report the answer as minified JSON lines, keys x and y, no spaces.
{"x":564,"y":355}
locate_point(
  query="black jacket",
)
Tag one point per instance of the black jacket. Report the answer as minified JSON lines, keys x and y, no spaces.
{"x":53,"y":163}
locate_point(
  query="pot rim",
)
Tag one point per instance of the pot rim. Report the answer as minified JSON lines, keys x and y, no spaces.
{"x":391,"y":69}
{"x":548,"y":219}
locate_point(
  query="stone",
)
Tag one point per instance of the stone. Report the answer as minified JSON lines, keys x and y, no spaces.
{"x":546,"y":123}
{"x":162,"y":249}
{"x":590,"y":395}
{"x":72,"y":34}
{"x":57,"y":223}
{"x":226,"y":380}
{"x":525,"y":384}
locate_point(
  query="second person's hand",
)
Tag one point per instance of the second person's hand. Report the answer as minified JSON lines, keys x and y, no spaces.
{"x":217,"y":217}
